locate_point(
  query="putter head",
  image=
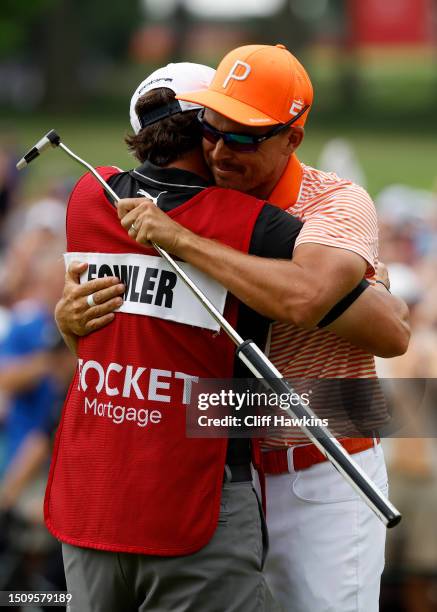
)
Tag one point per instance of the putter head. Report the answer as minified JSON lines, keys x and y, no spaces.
{"x":52,"y":138}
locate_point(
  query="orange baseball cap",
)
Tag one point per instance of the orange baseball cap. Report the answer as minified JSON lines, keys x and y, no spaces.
{"x":257,"y":85}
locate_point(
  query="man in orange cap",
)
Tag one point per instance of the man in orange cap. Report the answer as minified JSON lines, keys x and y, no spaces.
{"x":326,"y":546}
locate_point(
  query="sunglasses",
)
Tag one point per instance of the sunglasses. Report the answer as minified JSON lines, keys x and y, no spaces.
{"x":243,"y":143}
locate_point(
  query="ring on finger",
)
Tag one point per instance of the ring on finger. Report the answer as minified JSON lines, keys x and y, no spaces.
{"x":133,"y":228}
{"x":90,"y":300}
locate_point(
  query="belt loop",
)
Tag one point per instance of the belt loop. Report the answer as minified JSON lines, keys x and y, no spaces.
{"x":290,"y":462}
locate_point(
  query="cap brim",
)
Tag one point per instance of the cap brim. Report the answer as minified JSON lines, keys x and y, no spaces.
{"x":228,"y":107}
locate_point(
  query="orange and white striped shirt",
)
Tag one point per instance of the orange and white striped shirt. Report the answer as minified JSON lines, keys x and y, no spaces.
{"x":338,"y":213}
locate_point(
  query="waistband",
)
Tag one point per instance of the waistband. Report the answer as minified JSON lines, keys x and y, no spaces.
{"x":298,"y":458}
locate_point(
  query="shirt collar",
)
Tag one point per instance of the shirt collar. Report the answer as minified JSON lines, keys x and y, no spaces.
{"x":169,"y":176}
{"x":286,"y":191}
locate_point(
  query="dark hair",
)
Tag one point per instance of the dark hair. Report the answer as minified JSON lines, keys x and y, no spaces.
{"x":166,"y":140}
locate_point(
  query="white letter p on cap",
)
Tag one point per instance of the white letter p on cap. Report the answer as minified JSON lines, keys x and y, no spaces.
{"x":232,"y":73}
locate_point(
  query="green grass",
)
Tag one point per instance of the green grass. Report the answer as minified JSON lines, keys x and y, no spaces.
{"x":100,"y":142}
{"x":386,"y":156}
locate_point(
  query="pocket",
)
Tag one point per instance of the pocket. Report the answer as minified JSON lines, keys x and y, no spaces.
{"x":264,"y":531}
{"x":228,"y":490}
{"x":223,"y":518}
{"x":242,"y":523}
{"x":323,"y":484}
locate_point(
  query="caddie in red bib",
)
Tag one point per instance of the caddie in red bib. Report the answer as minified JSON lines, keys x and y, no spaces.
{"x":124,"y":476}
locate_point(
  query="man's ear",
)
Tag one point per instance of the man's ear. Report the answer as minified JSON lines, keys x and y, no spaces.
{"x":294,"y":138}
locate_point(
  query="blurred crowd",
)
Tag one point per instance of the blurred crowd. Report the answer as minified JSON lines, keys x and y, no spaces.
{"x":35,"y":370}
{"x":408,"y":246}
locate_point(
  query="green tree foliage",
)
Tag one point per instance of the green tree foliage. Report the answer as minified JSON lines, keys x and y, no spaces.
{"x":61,"y":37}
{"x":16,"y":23}
{"x":104,"y":27}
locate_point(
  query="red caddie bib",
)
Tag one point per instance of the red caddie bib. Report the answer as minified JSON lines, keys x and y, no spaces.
{"x":124,"y":476}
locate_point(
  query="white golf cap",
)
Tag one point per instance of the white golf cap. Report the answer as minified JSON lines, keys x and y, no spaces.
{"x":180,"y":77}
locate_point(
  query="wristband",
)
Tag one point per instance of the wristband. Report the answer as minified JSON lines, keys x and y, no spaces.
{"x":343,"y":304}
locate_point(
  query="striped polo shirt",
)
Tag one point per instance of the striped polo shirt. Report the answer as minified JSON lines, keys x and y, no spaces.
{"x":337,"y":213}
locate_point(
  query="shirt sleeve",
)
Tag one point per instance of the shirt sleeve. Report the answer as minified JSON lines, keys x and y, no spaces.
{"x":275,"y":233}
{"x":346,"y":219}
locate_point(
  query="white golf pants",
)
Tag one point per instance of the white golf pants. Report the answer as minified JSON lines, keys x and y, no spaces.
{"x":326,"y":546}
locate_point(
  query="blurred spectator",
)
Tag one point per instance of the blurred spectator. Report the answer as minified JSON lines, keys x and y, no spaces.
{"x":26,"y":351}
{"x":339,"y":156}
{"x":35,"y":370}
{"x":41,"y":225}
{"x":401,"y":204}
{"x":47,"y":214}
{"x":408,"y":224}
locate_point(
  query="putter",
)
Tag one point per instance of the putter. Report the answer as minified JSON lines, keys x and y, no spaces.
{"x":260,"y":366}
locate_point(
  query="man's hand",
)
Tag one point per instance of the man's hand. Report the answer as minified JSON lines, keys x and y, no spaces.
{"x":74,"y":317}
{"x":146,"y":223}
